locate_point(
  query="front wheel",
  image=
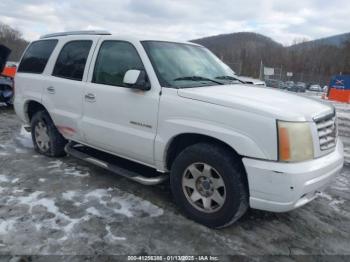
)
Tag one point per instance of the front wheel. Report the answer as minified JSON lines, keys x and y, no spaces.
{"x":46,"y":138}
{"x":207,"y":182}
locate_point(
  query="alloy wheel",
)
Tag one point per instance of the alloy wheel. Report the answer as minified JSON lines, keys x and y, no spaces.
{"x":41,"y":136}
{"x":204,"y":187}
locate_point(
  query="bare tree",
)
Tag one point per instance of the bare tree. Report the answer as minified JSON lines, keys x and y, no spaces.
{"x":13,"y":39}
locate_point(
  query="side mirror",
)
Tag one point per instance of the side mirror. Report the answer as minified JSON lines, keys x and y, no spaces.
{"x":137,"y":79}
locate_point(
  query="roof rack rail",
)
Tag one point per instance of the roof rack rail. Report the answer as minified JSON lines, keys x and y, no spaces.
{"x":86,"y":32}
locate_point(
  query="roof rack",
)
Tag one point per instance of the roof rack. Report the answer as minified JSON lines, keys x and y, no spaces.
{"x":86,"y":32}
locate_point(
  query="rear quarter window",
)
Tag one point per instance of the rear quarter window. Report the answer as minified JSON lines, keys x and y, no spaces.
{"x":36,"y":56}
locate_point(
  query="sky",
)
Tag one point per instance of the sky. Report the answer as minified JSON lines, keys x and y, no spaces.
{"x":282,"y":20}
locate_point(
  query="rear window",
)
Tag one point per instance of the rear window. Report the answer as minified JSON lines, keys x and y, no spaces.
{"x":72,"y":59}
{"x":35,"y":58}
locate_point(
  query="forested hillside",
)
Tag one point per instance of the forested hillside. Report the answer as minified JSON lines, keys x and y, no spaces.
{"x":245,"y":51}
{"x":12,"y":38}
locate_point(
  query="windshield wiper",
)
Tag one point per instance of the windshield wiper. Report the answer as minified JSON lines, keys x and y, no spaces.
{"x":197,"y":78}
{"x":229,"y":78}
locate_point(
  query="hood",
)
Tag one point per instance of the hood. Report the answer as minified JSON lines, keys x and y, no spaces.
{"x":263,"y":101}
{"x":4,"y":54}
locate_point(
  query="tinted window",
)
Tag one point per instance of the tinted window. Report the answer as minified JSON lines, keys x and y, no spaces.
{"x":72,"y":59}
{"x":114,"y":59}
{"x":36,"y":56}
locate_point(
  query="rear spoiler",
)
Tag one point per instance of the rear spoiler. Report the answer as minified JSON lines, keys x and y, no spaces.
{"x":4,"y":54}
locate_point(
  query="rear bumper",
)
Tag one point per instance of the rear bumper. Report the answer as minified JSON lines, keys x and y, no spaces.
{"x":280,"y":187}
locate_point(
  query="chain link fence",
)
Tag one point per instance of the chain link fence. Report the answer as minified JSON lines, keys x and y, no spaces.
{"x":281,"y":74}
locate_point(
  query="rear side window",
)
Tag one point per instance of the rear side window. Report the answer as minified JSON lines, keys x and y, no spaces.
{"x":114,"y":59}
{"x":35,"y":58}
{"x":72,"y":59}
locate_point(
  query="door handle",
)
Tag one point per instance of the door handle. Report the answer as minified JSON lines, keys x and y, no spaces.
{"x":50,"y":90}
{"x":90,"y":97}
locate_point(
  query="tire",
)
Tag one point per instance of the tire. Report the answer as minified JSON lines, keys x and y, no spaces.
{"x":9,"y":102}
{"x":224,"y":167}
{"x":55,"y":141}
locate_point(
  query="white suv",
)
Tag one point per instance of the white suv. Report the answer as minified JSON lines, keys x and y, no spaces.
{"x":175,"y":107}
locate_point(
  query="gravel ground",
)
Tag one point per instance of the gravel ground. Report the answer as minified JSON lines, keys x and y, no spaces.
{"x":67,"y":207}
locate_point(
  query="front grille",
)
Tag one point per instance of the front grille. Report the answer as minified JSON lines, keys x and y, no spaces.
{"x":327,"y":131}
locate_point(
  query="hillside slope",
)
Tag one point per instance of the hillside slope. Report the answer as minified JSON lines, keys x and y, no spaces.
{"x":244,"y":51}
{"x":309,"y":61}
{"x":336,"y":41}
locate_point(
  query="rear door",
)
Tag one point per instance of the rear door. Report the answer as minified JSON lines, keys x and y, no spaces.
{"x":118,"y":119}
{"x":64,"y":88}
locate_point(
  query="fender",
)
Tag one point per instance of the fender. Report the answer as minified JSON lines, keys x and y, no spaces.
{"x":21,"y":107}
{"x":171,"y":128}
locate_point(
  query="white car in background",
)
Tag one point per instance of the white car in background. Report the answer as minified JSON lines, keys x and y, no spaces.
{"x":251,"y":81}
{"x":176,"y":108}
{"x":316,"y":88}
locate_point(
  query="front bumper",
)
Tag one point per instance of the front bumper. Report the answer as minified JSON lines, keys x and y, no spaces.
{"x":280,"y":187}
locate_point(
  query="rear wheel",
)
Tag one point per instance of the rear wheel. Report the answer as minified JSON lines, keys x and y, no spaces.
{"x":46,"y":138}
{"x":208,"y":184}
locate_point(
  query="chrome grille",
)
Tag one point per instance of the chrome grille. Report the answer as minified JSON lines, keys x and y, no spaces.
{"x":327,"y":131}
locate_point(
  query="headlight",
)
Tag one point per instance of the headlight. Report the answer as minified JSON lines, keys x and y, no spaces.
{"x":294,"y":141}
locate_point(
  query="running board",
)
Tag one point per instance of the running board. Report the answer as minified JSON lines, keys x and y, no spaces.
{"x":73,"y":150}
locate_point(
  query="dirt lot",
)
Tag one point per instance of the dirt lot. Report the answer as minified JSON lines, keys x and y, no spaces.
{"x":64,"y":206}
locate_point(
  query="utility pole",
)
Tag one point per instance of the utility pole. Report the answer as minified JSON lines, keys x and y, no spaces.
{"x":261,"y":71}
{"x":281,"y":72}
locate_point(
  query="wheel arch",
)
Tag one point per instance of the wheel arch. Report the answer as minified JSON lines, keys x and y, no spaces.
{"x":184,"y":140}
{"x":31,"y":107}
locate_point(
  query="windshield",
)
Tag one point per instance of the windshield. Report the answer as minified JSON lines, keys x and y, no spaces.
{"x":185,"y":65}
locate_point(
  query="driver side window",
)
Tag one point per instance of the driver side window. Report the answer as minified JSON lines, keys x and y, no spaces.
{"x":113,"y":60}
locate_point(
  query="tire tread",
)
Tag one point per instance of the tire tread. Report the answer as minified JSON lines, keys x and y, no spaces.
{"x":231,"y":163}
{"x":58,"y":142}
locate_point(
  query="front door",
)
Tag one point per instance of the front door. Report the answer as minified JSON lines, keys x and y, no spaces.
{"x":118,"y":119}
